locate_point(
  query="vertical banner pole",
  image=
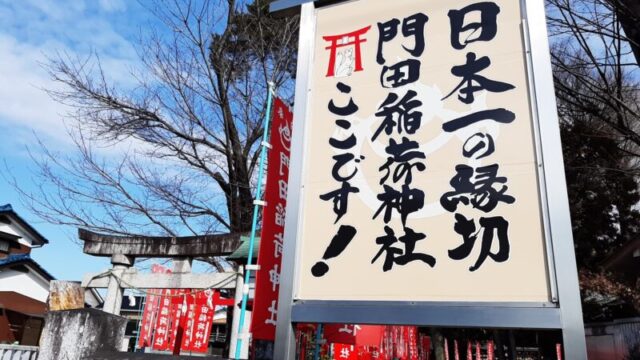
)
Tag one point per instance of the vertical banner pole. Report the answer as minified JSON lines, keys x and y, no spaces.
{"x":254,"y":224}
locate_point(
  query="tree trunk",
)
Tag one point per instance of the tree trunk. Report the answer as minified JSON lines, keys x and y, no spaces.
{"x":628,"y":12}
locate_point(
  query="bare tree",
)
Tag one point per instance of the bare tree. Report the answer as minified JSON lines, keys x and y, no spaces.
{"x":628,"y":12}
{"x":187,"y":134}
{"x":595,"y":62}
{"x":594,"y":67}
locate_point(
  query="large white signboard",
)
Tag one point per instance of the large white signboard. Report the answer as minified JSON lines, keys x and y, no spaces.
{"x":420,"y":177}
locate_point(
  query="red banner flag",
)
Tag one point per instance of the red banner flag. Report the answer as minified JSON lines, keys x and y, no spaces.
{"x":446,"y":349}
{"x":341,"y":333}
{"x":364,"y":353}
{"x":146,"y":325}
{"x":203,"y":321}
{"x":189,"y":322}
{"x":455,"y":350}
{"x":265,"y":304}
{"x":162,"y":319}
{"x":150,"y":312}
{"x":198,"y":320}
{"x":370,"y":335}
{"x":344,"y":352}
{"x":426,"y":347}
{"x":411,"y":342}
{"x":178,"y":299}
{"x":172,"y":315}
{"x":559,"y":351}
{"x":163,"y":322}
{"x":490,"y":352}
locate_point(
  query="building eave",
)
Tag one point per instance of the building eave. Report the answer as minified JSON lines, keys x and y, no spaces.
{"x":26,"y":260}
{"x":6,"y":211}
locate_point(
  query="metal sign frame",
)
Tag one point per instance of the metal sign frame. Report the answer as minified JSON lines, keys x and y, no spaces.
{"x":563,"y":311}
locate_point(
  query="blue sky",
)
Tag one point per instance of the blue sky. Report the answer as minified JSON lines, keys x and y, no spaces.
{"x":30,"y":32}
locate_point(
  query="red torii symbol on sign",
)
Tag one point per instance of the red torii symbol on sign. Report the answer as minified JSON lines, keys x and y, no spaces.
{"x":342,"y":40}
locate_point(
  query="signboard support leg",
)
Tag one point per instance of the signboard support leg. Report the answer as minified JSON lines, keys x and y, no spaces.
{"x":285,"y":335}
{"x":554,"y":176}
{"x":568,"y":288}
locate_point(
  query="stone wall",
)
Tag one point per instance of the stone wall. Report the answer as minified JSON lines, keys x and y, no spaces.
{"x":78,"y":334}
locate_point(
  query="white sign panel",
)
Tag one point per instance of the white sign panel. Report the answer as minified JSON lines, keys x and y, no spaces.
{"x":420,"y":175}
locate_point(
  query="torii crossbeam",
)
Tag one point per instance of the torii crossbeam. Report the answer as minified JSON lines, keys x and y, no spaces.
{"x":124,"y":249}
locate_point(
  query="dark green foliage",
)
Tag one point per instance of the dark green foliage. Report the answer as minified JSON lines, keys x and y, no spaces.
{"x":602,"y":191}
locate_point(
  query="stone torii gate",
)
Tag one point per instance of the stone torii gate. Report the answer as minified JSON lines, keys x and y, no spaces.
{"x":123,"y":250}
{"x":92,"y":334}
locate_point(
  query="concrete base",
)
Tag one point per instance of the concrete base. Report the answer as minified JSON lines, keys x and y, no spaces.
{"x":78,"y":334}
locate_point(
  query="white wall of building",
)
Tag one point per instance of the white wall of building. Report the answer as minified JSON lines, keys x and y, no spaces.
{"x":28,"y":284}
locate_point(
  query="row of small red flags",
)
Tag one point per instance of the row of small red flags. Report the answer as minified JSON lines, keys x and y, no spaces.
{"x":380,"y":342}
{"x":474,"y":352}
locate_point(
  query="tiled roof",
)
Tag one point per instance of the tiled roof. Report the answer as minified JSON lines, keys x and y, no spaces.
{"x":7,"y":210}
{"x":242,"y":252}
{"x":12,"y":259}
{"x":25,"y":259}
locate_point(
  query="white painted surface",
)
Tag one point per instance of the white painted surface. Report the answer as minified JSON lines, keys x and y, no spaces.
{"x":235,"y":325}
{"x":29,"y":284}
{"x":14,"y":229}
{"x":18,"y":352}
{"x":92,"y":298}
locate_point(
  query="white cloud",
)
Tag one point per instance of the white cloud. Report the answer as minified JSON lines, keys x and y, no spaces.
{"x":25,"y":104}
{"x":35,"y":29}
{"x":113,"y":5}
{"x":55,"y":9}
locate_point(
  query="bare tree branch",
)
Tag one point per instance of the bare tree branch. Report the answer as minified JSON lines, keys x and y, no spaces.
{"x":189,"y":127}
